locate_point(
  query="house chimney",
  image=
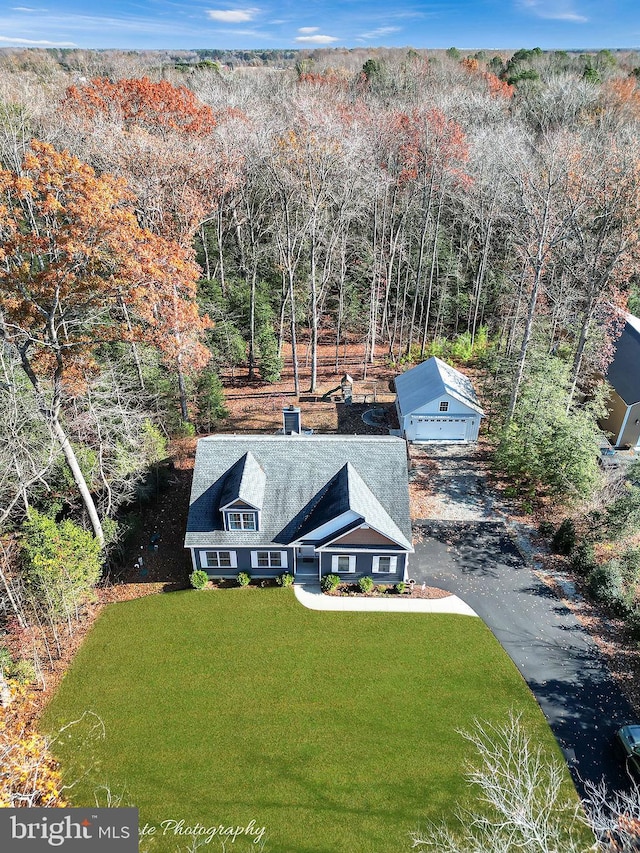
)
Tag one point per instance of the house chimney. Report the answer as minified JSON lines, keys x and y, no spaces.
{"x":291,"y":421}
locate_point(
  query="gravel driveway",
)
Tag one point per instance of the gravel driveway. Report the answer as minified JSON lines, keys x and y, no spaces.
{"x":456,"y":482}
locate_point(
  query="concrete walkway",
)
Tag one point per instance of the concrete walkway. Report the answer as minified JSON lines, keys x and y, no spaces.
{"x":311,"y":596}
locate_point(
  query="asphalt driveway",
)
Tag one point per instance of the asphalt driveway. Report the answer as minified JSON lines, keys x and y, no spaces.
{"x":559,"y":661}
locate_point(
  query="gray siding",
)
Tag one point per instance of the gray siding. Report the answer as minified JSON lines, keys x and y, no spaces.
{"x":243,"y":558}
{"x":364,"y":566}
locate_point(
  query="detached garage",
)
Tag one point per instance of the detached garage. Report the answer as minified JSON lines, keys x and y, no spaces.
{"x":435,"y":402}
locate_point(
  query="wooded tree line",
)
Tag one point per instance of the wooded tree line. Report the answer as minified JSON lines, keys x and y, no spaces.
{"x":158,"y":230}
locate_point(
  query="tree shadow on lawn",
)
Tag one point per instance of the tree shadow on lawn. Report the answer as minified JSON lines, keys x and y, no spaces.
{"x":333,"y":804}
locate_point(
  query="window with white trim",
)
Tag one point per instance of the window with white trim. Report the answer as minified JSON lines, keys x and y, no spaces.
{"x":269,"y":559}
{"x":219,"y":560}
{"x":341,"y":563}
{"x":242,"y":521}
{"x":444,"y":406}
{"x":384,"y":564}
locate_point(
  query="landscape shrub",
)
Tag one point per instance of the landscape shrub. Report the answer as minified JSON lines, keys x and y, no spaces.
{"x":623,"y":514}
{"x":22,"y":671}
{"x":6,"y":661}
{"x":546,"y":529}
{"x":185,"y":429}
{"x":633,"y":623}
{"x":400,"y":587}
{"x":243,"y":579}
{"x":61,"y":564}
{"x":366,"y":584}
{"x":285,"y":579}
{"x":198,"y":579}
{"x":605,"y":585}
{"x":630,"y":562}
{"x":564,"y":539}
{"x":329,"y":582}
{"x":583,"y":559}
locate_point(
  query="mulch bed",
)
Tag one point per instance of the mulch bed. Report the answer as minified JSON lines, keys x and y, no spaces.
{"x":351,"y":591}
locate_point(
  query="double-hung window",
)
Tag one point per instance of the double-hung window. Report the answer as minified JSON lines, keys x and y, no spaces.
{"x":342,"y":563}
{"x":444,"y":406}
{"x":242,"y":521}
{"x":384,"y":564}
{"x":219,"y":560}
{"x":269,"y":559}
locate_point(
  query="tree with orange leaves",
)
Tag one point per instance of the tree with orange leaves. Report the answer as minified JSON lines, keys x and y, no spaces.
{"x":71,"y":253}
{"x":141,"y":103}
{"x":159,"y":137}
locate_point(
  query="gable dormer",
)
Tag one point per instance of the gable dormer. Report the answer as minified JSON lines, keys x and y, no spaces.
{"x":242,"y":495}
{"x":346,"y":503}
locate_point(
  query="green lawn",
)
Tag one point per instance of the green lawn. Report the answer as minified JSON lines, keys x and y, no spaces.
{"x":335,"y":731}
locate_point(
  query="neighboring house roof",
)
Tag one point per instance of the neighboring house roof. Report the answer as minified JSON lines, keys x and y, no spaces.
{"x":431,"y":379}
{"x":244,"y":482}
{"x":308,"y":480}
{"x":624,"y":371}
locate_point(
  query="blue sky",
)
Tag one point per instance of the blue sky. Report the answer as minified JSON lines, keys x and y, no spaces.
{"x":316,"y":23}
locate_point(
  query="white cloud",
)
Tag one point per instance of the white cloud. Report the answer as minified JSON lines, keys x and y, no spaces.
{"x":316,"y":39}
{"x":379,"y":32}
{"x":306,"y":31}
{"x":554,"y":10}
{"x":26,"y":9}
{"x":232,"y":16}
{"x":42,"y":42}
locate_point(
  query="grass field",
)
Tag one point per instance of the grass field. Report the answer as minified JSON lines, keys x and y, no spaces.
{"x":335,"y":731}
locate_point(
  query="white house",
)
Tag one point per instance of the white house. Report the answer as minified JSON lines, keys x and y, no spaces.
{"x":435,"y":402}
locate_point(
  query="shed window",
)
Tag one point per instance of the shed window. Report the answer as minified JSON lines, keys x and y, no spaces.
{"x":220,"y":560}
{"x":444,"y":406}
{"x":242,"y":521}
{"x":341,"y":563}
{"x":269,"y":559}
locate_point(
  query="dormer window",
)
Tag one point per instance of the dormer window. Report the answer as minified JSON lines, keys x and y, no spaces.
{"x":242,"y":520}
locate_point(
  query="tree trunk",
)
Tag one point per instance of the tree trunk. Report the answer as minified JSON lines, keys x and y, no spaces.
{"x":182,"y":388}
{"x":314,"y":319}
{"x":294,"y":345}
{"x":79,"y":479}
{"x":252,"y":324}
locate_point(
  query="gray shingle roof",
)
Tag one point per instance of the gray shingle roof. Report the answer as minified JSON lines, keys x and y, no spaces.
{"x":306,"y":479}
{"x":431,"y":379}
{"x":244,"y":482}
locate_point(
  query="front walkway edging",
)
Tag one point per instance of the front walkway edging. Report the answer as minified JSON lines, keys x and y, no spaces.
{"x":311,"y":596}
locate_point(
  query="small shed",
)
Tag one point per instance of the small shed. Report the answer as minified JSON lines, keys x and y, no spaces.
{"x":435,"y":402}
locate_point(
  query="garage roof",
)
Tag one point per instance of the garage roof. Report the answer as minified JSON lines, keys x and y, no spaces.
{"x":431,"y":379}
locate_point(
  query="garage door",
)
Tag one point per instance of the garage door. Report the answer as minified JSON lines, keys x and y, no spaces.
{"x":440,"y":429}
